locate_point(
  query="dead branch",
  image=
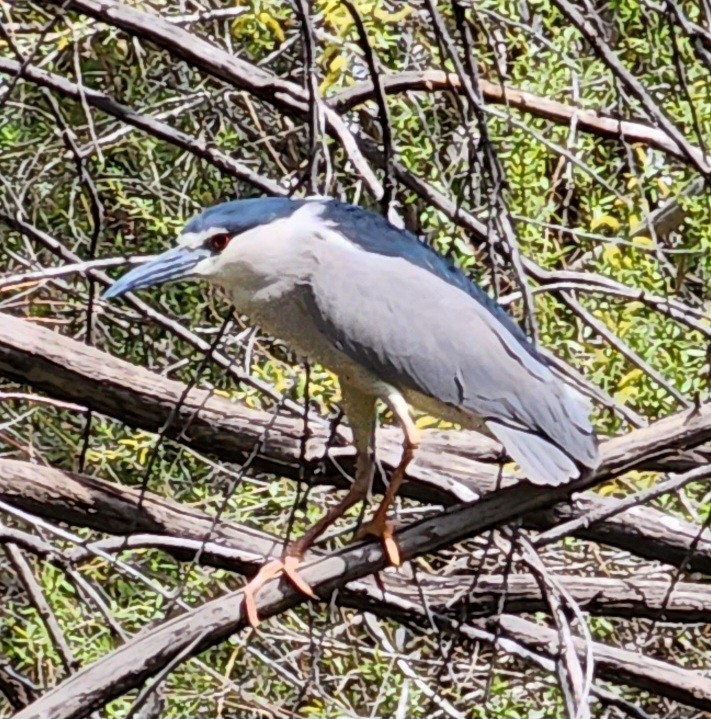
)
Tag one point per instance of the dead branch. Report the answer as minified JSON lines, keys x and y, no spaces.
{"x":643,"y":531}
{"x":39,"y":601}
{"x":282,"y":94}
{"x":587,"y":120}
{"x":184,"y":636}
{"x":669,"y":486}
{"x":87,"y":502}
{"x":450,"y":466}
{"x":589,"y":30}
{"x":602,"y":596}
{"x":618,"y":665}
{"x":148,"y":124}
{"x":160,"y":523}
{"x":18,"y":690}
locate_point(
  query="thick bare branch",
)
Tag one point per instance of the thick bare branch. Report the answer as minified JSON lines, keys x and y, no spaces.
{"x":450,"y":466}
{"x":147,"y":654}
{"x":161,"y":523}
{"x":609,"y":596}
{"x":86,"y":502}
{"x":587,"y":120}
{"x":619,"y":665}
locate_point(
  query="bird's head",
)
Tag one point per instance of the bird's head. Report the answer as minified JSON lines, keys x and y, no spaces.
{"x":207,"y":243}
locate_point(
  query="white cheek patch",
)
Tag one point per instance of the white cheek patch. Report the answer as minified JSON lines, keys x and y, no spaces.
{"x":205,"y":268}
{"x":306,"y":222}
{"x":263,"y":250}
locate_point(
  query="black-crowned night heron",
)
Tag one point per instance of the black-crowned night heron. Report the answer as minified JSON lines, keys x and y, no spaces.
{"x":395,"y":321}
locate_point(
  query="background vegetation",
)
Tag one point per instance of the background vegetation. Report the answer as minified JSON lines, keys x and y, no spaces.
{"x":581,"y":206}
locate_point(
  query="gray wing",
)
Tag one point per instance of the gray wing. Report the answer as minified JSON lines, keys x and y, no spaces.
{"x":416,"y":331}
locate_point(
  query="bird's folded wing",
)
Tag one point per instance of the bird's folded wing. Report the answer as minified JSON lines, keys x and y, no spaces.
{"x":414,"y":330}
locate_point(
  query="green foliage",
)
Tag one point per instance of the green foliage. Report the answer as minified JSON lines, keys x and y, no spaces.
{"x":575,"y":198}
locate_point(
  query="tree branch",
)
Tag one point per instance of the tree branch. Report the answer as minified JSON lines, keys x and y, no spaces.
{"x":590,"y":33}
{"x":449,"y":466}
{"x":38,"y":600}
{"x":147,"y":654}
{"x":18,"y":690}
{"x":160,"y":523}
{"x":590,"y":121}
{"x":199,"y":53}
{"x":146,"y":123}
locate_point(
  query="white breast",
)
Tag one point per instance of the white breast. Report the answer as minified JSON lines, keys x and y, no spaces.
{"x":267,"y":273}
{"x":263,"y":270}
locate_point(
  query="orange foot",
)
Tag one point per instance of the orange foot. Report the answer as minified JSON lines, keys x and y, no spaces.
{"x":381,"y":526}
{"x":287,"y":565}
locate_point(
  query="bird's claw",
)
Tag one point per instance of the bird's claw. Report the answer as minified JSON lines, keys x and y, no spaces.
{"x":384,"y":529}
{"x":286,"y":566}
{"x":290,"y":565}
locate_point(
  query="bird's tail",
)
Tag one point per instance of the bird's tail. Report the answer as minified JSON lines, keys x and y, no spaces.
{"x":558,"y":453}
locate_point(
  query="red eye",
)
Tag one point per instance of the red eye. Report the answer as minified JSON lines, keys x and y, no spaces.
{"x":219,"y":242}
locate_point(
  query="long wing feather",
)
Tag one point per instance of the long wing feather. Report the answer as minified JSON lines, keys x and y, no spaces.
{"x":415,"y":330}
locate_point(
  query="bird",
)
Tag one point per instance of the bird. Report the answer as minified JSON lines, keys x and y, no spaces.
{"x":395,"y":321}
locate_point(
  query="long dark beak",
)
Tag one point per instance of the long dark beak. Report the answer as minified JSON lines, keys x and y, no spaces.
{"x":174,"y":264}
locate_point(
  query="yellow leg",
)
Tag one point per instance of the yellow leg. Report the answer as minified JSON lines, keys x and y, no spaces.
{"x":380,"y":526}
{"x":361,"y":412}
